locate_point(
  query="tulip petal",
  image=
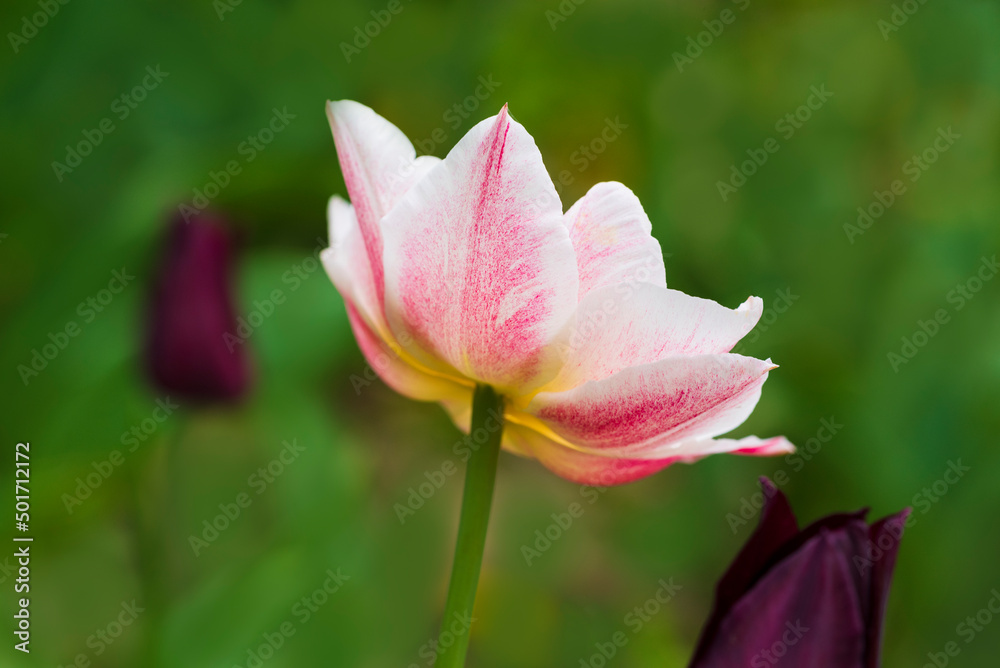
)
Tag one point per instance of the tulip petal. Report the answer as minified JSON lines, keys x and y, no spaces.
{"x":808,"y":603}
{"x":829,"y":581}
{"x":576,"y":466}
{"x":777,"y":526}
{"x":885,"y":535}
{"x":348,"y":268}
{"x":589,"y":468}
{"x":402,"y":376}
{"x":613,"y":239}
{"x":616,"y":327}
{"x":346,"y":263}
{"x":748,"y":445}
{"x":640,"y":410}
{"x":480,"y":270}
{"x":379,"y":164}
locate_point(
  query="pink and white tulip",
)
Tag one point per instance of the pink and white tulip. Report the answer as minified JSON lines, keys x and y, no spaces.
{"x":466,"y":271}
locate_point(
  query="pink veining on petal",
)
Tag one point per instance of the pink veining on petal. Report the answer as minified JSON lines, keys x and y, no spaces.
{"x":777,"y":445}
{"x":581,"y":467}
{"x":607,"y":471}
{"x":379,"y":164}
{"x":482,"y":318}
{"x":618,"y":328}
{"x":479,"y":266}
{"x":364,"y":201}
{"x":472,"y":263}
{"x":612,"y":238}
{"x":677,"y":399}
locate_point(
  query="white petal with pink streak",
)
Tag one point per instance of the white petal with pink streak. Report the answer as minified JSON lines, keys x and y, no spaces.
{"x":480,"y":270}
{"x":613,"y":240}
{"x":589,"y":468}
{"x":616,"y":327}
{"x":645,"y":408}
{"x":347,"y":265}
{"x":379,"y":164}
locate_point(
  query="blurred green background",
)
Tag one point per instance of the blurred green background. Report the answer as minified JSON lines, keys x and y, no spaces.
{"x":565,"y":69}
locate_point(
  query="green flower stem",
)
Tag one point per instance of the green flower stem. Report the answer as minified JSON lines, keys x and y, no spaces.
{"x":149,"y":483}
{"x":480,"y":476}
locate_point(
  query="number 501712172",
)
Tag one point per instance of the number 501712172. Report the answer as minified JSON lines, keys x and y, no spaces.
{"x":22,"y":476}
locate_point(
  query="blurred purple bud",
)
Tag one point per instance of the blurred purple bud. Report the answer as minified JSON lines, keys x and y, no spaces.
{"x":192,"y":347}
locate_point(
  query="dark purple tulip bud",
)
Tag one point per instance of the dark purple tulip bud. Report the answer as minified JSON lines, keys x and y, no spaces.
{"x":192,"y":347}
{"x":814,"y":597}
